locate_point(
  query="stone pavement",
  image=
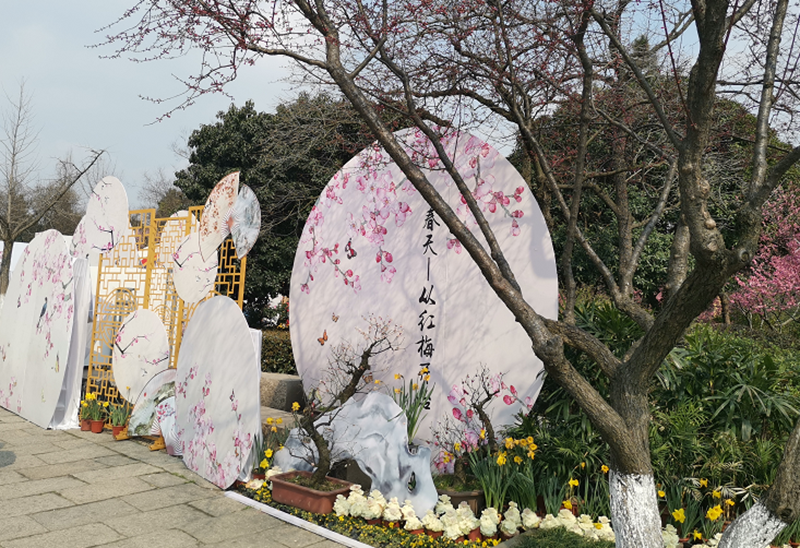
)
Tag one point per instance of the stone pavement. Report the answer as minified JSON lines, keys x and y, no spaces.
{"x":73,"y":489}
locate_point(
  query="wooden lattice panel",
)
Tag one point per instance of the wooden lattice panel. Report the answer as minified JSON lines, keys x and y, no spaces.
{"x":138,"y":274}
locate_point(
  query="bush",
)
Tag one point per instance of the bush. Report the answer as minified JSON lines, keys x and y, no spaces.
{"x":558,"y":538}
{"x":276,"y":352}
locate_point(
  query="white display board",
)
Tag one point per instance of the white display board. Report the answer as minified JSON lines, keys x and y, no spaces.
{"x":141,"y":350}
{"x":246,"y":221}
{"x":215,"y":224}
{"x":35,"y":329}
{"x":106,"y":220}
{"x":217,"y":403}
{"x":373,"y":246}
{"x":193,"y":277}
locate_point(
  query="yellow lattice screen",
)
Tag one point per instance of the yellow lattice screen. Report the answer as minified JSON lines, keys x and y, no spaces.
{"x":137,"y":274}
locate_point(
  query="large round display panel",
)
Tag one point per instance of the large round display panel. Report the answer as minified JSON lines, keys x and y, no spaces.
{"x":141,"y":350}
{"x":245,"y":221}
{"x":215,"y":224}
{"x":106,"y":219}
{"x":373,"y":247}
{"x":35,"y":329}
{"x":218,"y":405}
{"x":193,"y":277}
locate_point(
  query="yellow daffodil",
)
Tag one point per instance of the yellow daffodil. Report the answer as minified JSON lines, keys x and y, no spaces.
{"x":105,"y":404}
{"x":573,"y":483}
{"x":697,"y":535}
{"x":509,"y":443}
{"x":583,"y":465}
{"x":274,"y":429}
{"x":427,"y":378}
{"x":661,"y":494}
{"x":531,"y":455}
{"x":567,"y":504}
{"x":414,"y":386}
{"x":598,"y":526}
{"x":270,"y":420}
{"x":396,"y":390}
{"x":264,"y":464}
{"x":679,"y":515}
{"x":84,"y":404}
{"x":377,"y":381}
{"x":703,"y":482}
{"x":714,"y":513}
{"x":730,"y":502}
{"x":518,"y":459}
{"x":268,"y":453}
{"x":483,"y":434}
{"x":457,"y":446}
{"x":604,"y":468}
{"x":716,"y":494}
{"x":397,"y":376}
{"x":295,"y":406}
{"x":530,"y":440}
{"x":501,"y":458}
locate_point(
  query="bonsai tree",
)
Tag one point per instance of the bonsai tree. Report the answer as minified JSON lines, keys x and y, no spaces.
{"x":349,"y":373}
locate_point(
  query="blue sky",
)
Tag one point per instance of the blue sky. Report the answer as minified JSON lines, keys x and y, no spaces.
{"x":80,"y":100}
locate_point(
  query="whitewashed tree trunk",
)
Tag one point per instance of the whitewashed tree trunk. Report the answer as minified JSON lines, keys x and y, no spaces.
{"x":754,"y":529}
{"x":634,"y":511}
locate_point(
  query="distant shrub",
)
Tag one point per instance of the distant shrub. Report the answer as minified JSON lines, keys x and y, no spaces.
{"x":276,"y":352}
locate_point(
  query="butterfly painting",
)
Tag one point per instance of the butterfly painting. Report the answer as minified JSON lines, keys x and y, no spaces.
{"x":334,"y":317}
{"x":324,"y":338}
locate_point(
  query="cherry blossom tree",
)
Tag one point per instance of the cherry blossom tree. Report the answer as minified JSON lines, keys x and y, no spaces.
{"x":460,"y":64}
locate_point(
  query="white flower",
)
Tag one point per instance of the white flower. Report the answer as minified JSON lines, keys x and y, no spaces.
{"x":670,"y":536}
{"x":566,"y":518}
{"x":357,"y":501}
{"x":408,"y":511}
{"x":452,"y":530}
{"x":492,"y":514}
{"x":341,"y":506}
{"x":464,"y":510}
{"x":489,"y":520}
{"x":374,"y":509}
{"x":509,"y":527}
{"x":442,"y":505}
{"x":413,"y":523}
{"x":431,"y":522}
{"x":549,"y":522}
{"x":512,"y":514}
{"x":529,"y":519}
{"x":392,"y":511}
{"x":255,"y":484}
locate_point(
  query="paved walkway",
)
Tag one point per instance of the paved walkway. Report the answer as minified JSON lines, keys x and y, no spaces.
{"x":73,"y":489}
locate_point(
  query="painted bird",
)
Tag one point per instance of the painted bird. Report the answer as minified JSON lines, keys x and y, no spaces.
{"x":41,"y":314}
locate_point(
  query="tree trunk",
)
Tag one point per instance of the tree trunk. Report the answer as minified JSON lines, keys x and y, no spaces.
{"x":5,"y":266}
{"x":754,"y":529}
{"x":634,"y":511}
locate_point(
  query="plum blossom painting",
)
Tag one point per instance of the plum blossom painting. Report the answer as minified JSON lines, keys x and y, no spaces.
{"x":193,"y":277}
{"x":141,"y":350}
{"x":215,"y":224}
{"x":372,"y":245}
{"x":105,"y":222}
{"x":35,"y":329}
{"x":217,"y":402}
{"x":245,"y":221}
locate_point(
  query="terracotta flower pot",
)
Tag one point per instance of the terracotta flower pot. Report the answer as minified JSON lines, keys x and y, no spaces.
{"x":310,"y":500}
{"x":97,"y":426}
{"x":434,"y":534}
{"x":475,"y":534}
{"x":115,"y":430}
{"x":416,"y":531}
{"x":374,"y":521}
{"x":86,"y":425}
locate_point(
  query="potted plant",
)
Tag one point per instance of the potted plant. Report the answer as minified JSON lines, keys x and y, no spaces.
{"x":96,"y":410}
{"x":349,"y":373}
{"x":119,"y":418}
{"x":86,"y":424}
